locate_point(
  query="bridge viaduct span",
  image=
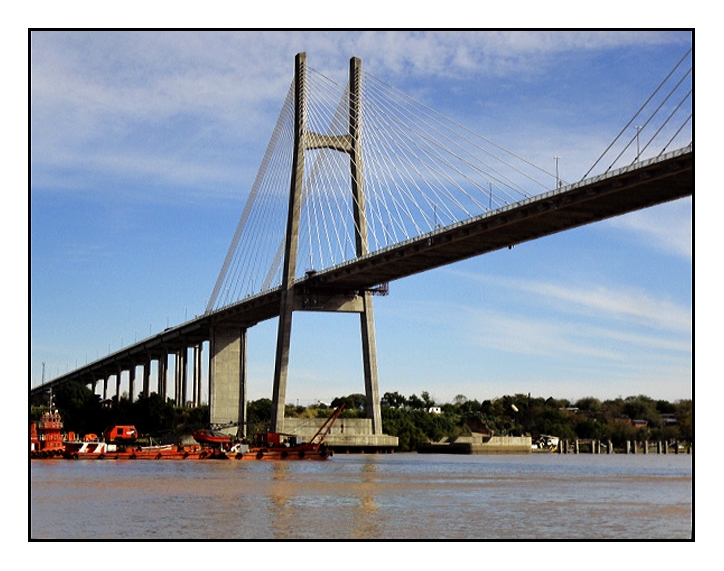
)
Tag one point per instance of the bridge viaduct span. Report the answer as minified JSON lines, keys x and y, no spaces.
{"x":348,"y":286}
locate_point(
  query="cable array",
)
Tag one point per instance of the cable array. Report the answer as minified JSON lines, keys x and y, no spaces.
{"x":246,"y":268}
{"x":424,"y":171}
{"x":419,"y":171}
{"x":662,"y":123}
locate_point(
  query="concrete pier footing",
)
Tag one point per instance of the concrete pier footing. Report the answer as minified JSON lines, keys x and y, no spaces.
{"x":347,"y":434}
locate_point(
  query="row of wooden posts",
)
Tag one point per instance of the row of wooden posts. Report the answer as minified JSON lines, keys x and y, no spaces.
{"x":599,"y":447}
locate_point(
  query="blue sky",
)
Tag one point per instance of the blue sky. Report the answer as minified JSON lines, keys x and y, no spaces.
{"x":145,"y":145}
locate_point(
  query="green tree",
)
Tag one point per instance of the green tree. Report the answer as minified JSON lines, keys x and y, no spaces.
{"x":354,"y":405}
{"x":258,"y":415}
{"x":80,"y":408}
{"x":153,"y":415}
{"x":415,"y":402}
{"x":588,"y":404}
{"x":684,"y":417}
{"x":395,"y":400}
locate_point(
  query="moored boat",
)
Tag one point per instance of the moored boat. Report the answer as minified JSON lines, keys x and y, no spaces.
{"x":46,"y":439}
{"x":212,"y":437}
{"x":545,"y":443}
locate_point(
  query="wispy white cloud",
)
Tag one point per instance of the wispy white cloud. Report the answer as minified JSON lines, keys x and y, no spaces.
{"x":669,"y":229}
{"x":630,"y":305}
{"x":164,"y":94}
{"x":563,"y":354}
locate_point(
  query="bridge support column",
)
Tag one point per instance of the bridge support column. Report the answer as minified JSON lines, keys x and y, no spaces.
{"x":162,"y":380}
{"x":369,"y":360}
{"x":284,"y":332}
{"x":184,"y":376}
{"x":132,"y":383}
{"x":227,"y":377}
{"x":118,"y":384}
{"x":147,"y":378}
{"x":181,"y":377}
{"x":367,"y":320}
{"x":198,"y":373}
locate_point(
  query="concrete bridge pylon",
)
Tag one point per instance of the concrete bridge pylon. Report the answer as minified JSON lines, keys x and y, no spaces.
{"x":227,"y":370}
{"x":305,"y":140}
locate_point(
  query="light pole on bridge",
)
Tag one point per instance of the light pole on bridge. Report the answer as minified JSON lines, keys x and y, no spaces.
{"x":558,"y":178}
{"x":638,"y":150}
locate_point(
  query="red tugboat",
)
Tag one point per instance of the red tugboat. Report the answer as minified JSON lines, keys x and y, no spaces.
{"x":46,"y":440}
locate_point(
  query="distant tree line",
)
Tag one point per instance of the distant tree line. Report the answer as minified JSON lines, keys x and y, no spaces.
{"x":414,"y":419}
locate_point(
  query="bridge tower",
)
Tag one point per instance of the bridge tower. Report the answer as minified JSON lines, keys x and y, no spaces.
{"x":361,"y":302}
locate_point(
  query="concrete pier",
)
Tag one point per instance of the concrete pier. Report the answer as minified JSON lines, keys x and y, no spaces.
{"x":227,"y":378}
{"x":146,"y":390}
{"x":181,"y":377}
{"x":132,"y":383}
{"x":162,"y":377}
{"x":198,"y":374}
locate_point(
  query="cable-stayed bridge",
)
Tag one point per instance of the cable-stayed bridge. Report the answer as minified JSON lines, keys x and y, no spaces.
{"x":361,"y":185}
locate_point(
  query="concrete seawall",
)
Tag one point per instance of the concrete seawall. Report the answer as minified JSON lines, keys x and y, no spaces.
{"x":480,"y":445}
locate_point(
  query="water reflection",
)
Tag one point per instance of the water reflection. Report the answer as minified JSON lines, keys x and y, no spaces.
{"x":282,"y":510}
{"x":368,"y":521}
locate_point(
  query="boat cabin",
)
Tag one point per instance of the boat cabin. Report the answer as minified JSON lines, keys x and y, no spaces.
{"x":120,"y":434}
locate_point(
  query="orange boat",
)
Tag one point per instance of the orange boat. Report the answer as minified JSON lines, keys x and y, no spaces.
{"x":46,"y":440}
{"x":212,"y":437}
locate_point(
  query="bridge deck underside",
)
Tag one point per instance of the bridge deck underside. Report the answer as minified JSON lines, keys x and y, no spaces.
{"x":591,"y":201}
{"x":541,"y":216}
